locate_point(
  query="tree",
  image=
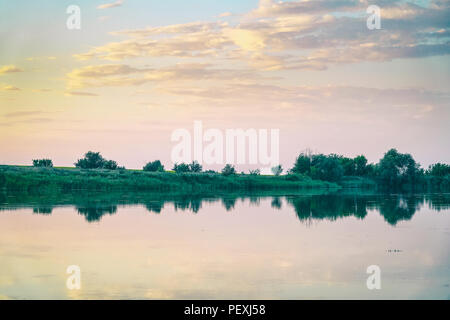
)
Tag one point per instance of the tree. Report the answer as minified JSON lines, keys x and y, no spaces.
{"x":47,"y":163}
{"x":110,"y":165}
{"x":181,"y":168}
{"x":154,"y":166}
{"x":439,"y":170}
{"x":277,"y":170}
{"x":354,"y":167}
{"x":228,"y":170}
{"x":91,"y":160}
{"x":195,"y":167}
{"x":327,"y":168}
{"x":360,"y":165}
{"x":302,"y":164}
{"x":255,"y":172}
{"x":348,"y":165}
{"x":94,"y":160}
{"x":397,"y":169}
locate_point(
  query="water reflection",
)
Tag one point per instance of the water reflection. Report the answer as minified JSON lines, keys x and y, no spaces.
{"x":255,"y":246}
{"x":308,"y":208}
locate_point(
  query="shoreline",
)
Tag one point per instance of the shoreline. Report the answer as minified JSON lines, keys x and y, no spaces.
{"x":42,"y":180}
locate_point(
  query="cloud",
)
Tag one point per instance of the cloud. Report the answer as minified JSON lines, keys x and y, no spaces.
{"x":9,"y":69}
{"x":41,"y":90}
{"x":27,"y":117}
{"x":110,"y":5}
{"x":41,"y":58}
{"x":225,"y":14}
{"x":318,"y":102}
{"x":268,"y":8}
{"x":295,"y":35}
{"x":21,"y":114}
{"x":124,"y":75}
{"x":10,"y":88}
{"x":80,"y":93}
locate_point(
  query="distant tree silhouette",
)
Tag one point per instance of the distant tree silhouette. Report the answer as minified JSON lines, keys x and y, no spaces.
{"x":277,"y":170}
{"x":94,"y":160}
{"x":228,"y":170}
{"x":47,"y":163}
{"x":154,"y":166}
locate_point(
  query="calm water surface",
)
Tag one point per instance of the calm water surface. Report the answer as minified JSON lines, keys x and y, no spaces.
{"x":200,"y":247}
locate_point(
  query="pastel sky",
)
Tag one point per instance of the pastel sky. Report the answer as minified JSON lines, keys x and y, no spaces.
{"x":138,"y":70}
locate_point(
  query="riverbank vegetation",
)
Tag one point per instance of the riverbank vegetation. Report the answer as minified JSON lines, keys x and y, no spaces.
{"x":395,"y":171}
{"x":69,"y":179}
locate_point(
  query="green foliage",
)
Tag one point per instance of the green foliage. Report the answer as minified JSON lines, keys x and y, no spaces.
{"x":277,"y":170}
{"x":396,"y":169}
{"x":255,"y":172}
{"x":360,"y":163}
{"x":302,"y":164}
{"x":195,"y":167}
{"x":439,"y":170}
{"x":228,"y":170}
{"x":154,"y":166}
{"x":110,"y":165}
{"x":46,"y":163}
{"x":354,"y":167}
{"x":91,"y":160}
{"x":61,"y":180}
{"x":181,"y":168}
{"x":94,"y":160}
{"x":438,"y":176}
{"x":327,"y":168}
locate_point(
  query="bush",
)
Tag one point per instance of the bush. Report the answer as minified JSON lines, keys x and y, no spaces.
{"x":47,"y":163}
{"x":195,"y":167}
{"x":110,"y":164}
{"x":277,"y":170}
{"x":228,"y":170}
{"x":181,"y":168}
{"x":94,"y":160}
{"x":154,"y":166}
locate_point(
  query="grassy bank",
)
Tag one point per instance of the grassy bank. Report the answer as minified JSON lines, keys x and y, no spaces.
{"x":31,"y":179}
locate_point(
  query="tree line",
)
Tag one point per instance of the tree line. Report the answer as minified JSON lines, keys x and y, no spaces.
{"x":395,"y":169}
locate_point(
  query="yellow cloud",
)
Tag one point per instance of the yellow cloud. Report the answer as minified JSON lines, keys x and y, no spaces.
{"x":10,"y":88}
{"x":9,"y":69}
{"x":246,"y":39}
{"x":110,"y":5}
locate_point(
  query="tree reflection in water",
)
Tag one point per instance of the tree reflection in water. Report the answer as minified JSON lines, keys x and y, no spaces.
{"x":308,"y":208}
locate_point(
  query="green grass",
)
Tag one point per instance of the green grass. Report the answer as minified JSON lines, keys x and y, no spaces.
{"x":350,"y":182}
{"x":42,"y":180}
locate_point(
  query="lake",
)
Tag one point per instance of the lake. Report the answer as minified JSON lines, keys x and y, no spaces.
{"x":260,"y":246}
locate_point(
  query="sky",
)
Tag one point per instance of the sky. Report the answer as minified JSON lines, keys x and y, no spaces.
{"x":136,"y":71}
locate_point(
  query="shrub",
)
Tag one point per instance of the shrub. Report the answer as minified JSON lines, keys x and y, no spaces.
{"x":94,"y":160}
{"x":47,"y":163}
{"x":110,"y":164}
{"x":195,"y":167}
{"x":277,"y":170}
{"x":228,"y":170}
{"x":181,"y":168}
{"x":154,"y":166}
